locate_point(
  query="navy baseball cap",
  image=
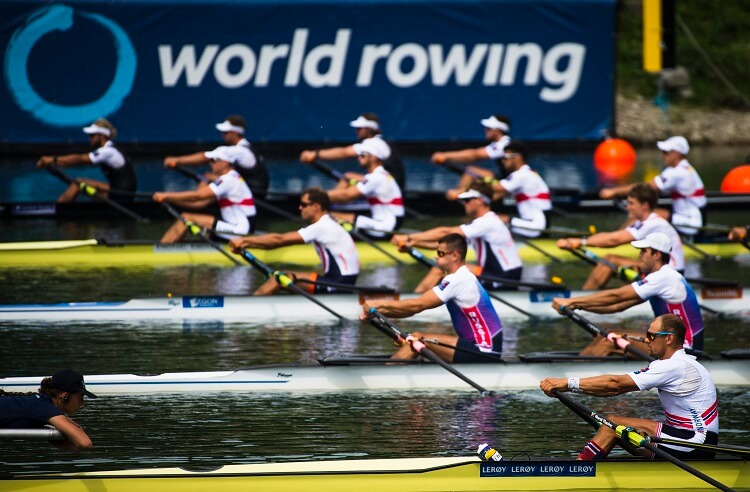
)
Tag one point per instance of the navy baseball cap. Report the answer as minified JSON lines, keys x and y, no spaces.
{"x":70,"y":381}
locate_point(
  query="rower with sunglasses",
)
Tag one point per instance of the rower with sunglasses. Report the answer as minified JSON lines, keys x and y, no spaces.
{"x":230,"y":190}
{"x":686,"y":392}
{"x":663,"y":286}
{"x":680,"y":181}
{"x":334,"y":245}
{"x":486,"y":234}
{"x":478,"y":328}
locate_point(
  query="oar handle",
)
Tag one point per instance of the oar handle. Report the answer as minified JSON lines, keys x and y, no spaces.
{"x":353,"y":288}
{"x":520,"y":283}
{"x":422,"y":349}
{"x":625,"y":274}
{"x":594,"y":330}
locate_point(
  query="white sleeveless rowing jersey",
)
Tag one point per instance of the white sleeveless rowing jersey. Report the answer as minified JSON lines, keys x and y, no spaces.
{"x":530,"y":192}
{"x":496,"y":150}
{"x":334,"y":247}
{"x":235,"y":202}
{"x":384,"y":197}
{"x":685,"y":187}
{"x":493,"y":244}
{"x":686,"y":391}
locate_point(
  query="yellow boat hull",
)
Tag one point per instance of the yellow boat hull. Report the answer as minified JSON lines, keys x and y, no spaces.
{"x":395,"y":475}
{"x":90,"y":252}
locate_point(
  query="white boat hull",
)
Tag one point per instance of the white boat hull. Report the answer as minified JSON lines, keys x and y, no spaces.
{"x":295,"y":309}
{"x":508,"y":376}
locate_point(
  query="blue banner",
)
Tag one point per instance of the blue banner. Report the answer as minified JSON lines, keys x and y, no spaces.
{"x":300,"y":70}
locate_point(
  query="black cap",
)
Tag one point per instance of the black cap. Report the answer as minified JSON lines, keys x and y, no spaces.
{"x":70,"y":381}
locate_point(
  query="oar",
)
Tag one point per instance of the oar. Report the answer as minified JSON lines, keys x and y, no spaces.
{"x":349,"y":227}
{"x":94,"y":193}
{"x":352,"y":288}
{"x":629,"y":435}
{"x":260,"y":202}
{"x":197,"y":230}
{"x":560,"y":231}
{"x":686,"y":241}
{"x":326,"y":169}
{"x":741,"y":451}
{"x":284,"y":280}
{"x":421,"y":348}
{"x":435,"y":341}
{"x":620,"y":342}
{"x":533,"y":246}
{"x":421,"y":258}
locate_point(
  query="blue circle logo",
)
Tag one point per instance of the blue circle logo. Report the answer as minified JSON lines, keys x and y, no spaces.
{"x":60,"y":18}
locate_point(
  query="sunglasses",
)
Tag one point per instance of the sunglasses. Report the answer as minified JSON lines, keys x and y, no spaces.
{"x":441,"y":253}
{"x":510,"y":156}
{"x":364,"y":154}
{"x":305,"y":204}
{"x":651,"y":336}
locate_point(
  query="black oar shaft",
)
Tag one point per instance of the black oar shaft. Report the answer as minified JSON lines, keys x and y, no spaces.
{"x":284,"y":280}
{"x":533,"y":246}
{"x":200,"y":232}
{"x":521,"y":283}
{"x":595,"y":330}
{"x":420,"y":347}
{"x":96,"y":193}
{"x":353,"y":288}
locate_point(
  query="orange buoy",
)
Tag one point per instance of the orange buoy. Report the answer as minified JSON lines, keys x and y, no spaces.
{"x":614,"y":158}
{"x":737,"y":180}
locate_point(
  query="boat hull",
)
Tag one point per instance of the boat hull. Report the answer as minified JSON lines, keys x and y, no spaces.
{"x":509,"y":376}
{"x":90,"y":252}
{"x":284,"y":309}
{"x":406,"y":474}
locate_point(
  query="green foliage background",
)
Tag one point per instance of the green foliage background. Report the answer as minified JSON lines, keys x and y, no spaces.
{"x":721,"y":27}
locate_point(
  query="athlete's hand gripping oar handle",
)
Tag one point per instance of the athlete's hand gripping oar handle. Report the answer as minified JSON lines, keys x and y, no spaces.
{"x":419,"y":347}
{"x":620,"y":342}
{"x":347,"y":287}
{"x":93,"y":193}
{"x":197,"y":230}
{"x":631,"y":436}
{"x":284,"y":280}
{"x":349,"y":227}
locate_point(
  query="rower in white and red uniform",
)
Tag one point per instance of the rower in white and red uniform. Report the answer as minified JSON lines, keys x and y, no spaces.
{"x":529,"y":190}
{"x":230,"y":191}
{"x":686,"y":392}
{"x":378,"y":187}
{"x":680,"y":181}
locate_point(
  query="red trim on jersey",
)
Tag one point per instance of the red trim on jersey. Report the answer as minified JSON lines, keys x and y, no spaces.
{"x":697,"y":193}
{"x":376,"y":201}
{"x":226,"y":202}
{"x":521,"y":197}
{"x":479,"y":327}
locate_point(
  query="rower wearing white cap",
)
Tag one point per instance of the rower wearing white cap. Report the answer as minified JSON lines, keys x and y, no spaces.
{"x":680,"y":181}
{"x":367,"y":125}
{"x":230,"y":191}
{"x":527,"y":188}
{"x":486,"y":234}
{"x":251,"y":167}
{"x":496,"y":130}
{"x":664,"y":287}
{"x":377,"y":186}
{"x":114,"y":164}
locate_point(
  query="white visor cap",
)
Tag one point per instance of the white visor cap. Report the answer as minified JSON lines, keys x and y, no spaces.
{"x":656,"y":240}
{"x":373,"y":146}
{"x":473,"y":194}
{"x":226,"y":126}
{"x":223,"y":153}
{"x":494,"y":123}
{"x":362,"y":122}
{"x":679,"y":144}
{"x":96,"y":129}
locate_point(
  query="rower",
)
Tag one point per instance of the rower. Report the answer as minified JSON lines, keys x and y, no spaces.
{"x":229,"y":190}
{"x":115,"y":165}
{"x":58,"y":396}
{"x":334,"y":245}
{"x":487,"y":235}
{"x":250,"y":166}
{"x":664,"y":287}
{"x":686,"y":392}
{"x":641,"y":204}
{"x":367,"y":125}
{"x":473,"y":316}
{"x":378,"y":186}
{"x":527,"y":188}
{"x":681,"y":181}
{"x":496,"y":129}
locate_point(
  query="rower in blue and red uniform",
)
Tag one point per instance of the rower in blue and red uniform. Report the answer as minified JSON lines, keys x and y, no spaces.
{"x":115,"y":165}
{"x":666,"y":290}
{"x":474,"y":318}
